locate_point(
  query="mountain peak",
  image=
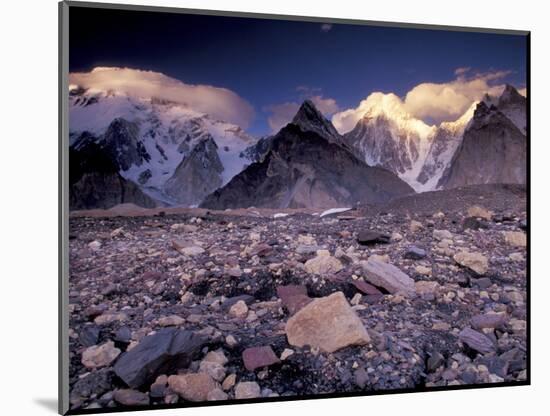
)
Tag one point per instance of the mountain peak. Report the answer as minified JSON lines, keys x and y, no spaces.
{"x":509,"y":95}
{"x":309,"y":118}
{"x":308,"y":111}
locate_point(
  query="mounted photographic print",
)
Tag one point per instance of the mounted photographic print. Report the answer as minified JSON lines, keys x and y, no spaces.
{"x":267,"y":208}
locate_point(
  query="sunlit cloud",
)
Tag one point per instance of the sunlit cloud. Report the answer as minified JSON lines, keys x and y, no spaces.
{"x":432,"y":102}
{"x":220,"y":103}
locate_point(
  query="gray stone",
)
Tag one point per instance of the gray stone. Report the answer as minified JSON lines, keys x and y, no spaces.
{"x":388,"y":276}
{"x":166,"y":351}
{"x":414,"y":253}
{"x":367,"y":237}
{"x":476,"y":341}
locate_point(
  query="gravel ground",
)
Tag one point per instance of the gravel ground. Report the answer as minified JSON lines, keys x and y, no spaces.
{"x":458,"y":317}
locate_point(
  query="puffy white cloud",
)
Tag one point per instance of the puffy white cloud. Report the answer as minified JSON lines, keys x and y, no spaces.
{"x":220,"y":103}
{"x":282,"y":114}
{"x":447,"y":101}
{"x":430,"y":102}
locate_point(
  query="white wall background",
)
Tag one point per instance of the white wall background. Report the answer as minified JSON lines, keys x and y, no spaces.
{"x":28,"y":220}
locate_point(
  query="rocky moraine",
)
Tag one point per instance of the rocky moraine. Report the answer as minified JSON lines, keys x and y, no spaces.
{"x":199,"y":305}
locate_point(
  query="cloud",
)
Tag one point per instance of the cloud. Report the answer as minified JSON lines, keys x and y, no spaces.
{"x":327,"y":106}
{"x":447,"y":101}
{"x":220,"y":103}
{"x":431,"y":102}
{"x":326,"y":27}
{"x":523,"y":91}
{"x":462,"y":70}
{"x":282,"y":114}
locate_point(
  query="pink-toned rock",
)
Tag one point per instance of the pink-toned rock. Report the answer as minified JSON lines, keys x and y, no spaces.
{"x":293,"y":297}
{"x":257,"y":357}
{"x":327,"y":323}
{"x":100,"y":355}
{"x":193,"y":387}
{"x":366,"y":288}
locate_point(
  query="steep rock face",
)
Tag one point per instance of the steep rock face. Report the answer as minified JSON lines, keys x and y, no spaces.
{"x":309,"y":118}
{"x":305,"y":169}
{"x":197,"y":175}
{"x":122,"y":143}
{"x":493,"y":150}
{"x":95,"y":182}
{"x":514,"y":106}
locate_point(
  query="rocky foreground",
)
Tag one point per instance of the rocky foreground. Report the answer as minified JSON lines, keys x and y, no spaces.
{"x":199,"y":306}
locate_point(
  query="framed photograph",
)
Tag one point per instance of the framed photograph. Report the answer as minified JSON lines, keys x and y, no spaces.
{"x":265,"y":208}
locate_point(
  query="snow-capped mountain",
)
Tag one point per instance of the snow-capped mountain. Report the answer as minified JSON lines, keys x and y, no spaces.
{"x":446,"y":139}
{"x":307,"y":164}
{"x":388,"y":136}
{"x":152,"y":140}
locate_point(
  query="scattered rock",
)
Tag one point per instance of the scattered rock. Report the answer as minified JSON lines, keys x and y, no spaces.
{"x":239,"y":310}
{"x":327,"y":323}
{"x":216,"y":394}
{"x":414,"y":253}
{"x":473,"y":261}
{"x":488,"y":320}
{"x":442,"y":235}
{"x":247,"y":390}
{"x":172,"y":320}
{"x":515,"y":238}
{"x":166,"y":351}
{"x":479,"y":212}
{"x":476,"y":341}
{"x":229,"y":382}
{"x":194,"y":387}
{"x":388,"y":277}
{"x":257,"y":357}
{"x":323,"y":264}
{"x":368,"y":237}
{"x":186,"y":248}
{"x":415,"y":226}
{"x":424,"y":287}
{"x":131,"y":398}
{"x":100,"y":355}
{"x":293,"y":297}
{"x":89,"y":335}
{"x":423,"y":270}
{"x":365,"y":287}
{"x":94,"y":245}
{"x":287,"y":352}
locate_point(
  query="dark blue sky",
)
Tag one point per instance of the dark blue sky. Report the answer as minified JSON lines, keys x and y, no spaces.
{"x":265,"y":60}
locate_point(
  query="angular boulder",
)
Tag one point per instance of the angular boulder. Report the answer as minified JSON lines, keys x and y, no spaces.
{"x":100,"y":355}
{"x":476,"y":341}
{"x":387,"y":276}
{"x":368,"y":237}
{"x":166,"y":351}
{"x":257,"y":357}
{"x":323,"y":264}
{"x":476,"y":262}
{"x":193,"y":387}
{"x":326,"y":323}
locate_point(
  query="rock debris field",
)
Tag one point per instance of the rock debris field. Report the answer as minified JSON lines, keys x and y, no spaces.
{"x":226,"y":305}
